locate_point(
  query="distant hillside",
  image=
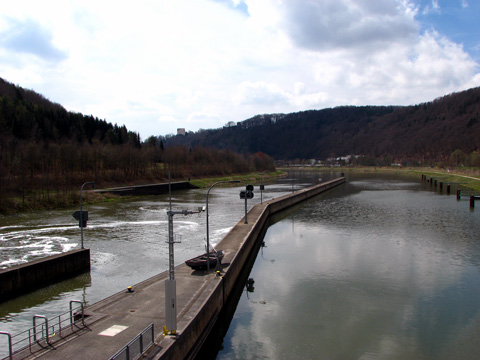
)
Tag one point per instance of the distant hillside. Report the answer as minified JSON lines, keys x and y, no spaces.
{"x":47,"y":153}
{"x":431,"y":131}
{"x":28,"y":116}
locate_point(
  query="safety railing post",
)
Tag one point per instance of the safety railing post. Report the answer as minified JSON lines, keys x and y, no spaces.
{"x":47,"y":339}
{"x":72,"y":317}
{"x":10,"y":355}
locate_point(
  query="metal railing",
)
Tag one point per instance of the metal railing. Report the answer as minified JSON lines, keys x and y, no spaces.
{"x":136,"y":347}
{"x":9,"y":343}
{"x":41,"y":334}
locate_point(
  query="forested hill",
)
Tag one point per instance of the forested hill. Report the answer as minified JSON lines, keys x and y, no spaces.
{"x":28,"y":116}
{"x":47,"y":153}
{"x":432,"y":130}
{"x":429,"y":131}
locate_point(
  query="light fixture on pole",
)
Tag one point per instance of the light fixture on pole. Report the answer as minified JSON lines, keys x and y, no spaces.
{"x":206,"y":209}
{"x":170,"y":283}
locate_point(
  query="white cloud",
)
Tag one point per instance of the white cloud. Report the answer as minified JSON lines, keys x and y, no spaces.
{"x":29,"y":37}
{"x":157,"y":66}
{"x":433,"y":8}
{"x":324,"y":25}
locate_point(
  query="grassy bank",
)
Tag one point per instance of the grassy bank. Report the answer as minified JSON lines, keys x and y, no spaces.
{"x":254,"y":178}
{"x":469,"y":178}
{"x":54,"y":200}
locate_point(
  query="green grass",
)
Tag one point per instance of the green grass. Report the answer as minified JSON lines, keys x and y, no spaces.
{"x":254,"y":177}
{"x":469,"y":181}
{"x":469,"y":178}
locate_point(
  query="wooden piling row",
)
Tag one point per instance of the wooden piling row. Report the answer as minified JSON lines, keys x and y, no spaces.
{"x":434,"y":182}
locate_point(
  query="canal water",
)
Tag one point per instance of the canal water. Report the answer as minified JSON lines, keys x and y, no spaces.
{"x":383,"y":267}
{"x":127,"y":240}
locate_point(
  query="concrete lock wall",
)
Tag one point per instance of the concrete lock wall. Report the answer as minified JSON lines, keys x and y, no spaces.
{"x":23,"y":278}
{"x":196,"y":329}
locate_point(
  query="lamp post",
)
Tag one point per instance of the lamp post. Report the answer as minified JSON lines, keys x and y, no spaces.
{"x":81,"y":212}
{"x":170,"y":283}
{"x":206,"y":209}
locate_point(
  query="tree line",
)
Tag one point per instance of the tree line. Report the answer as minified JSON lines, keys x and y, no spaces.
{"x":47,"y":153}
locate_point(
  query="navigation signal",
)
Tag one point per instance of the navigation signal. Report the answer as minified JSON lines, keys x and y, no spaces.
{"x":82,"y":217}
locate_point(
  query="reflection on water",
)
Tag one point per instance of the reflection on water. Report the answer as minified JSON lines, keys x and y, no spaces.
{"x":376,"y":269}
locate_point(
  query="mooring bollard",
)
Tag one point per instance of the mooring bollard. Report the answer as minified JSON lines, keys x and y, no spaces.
{"x":472,"y":202}
{"x":459,"y":192}
{"x":448,"y":189}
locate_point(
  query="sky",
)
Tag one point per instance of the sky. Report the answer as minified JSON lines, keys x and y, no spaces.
{"x":155,"y":66}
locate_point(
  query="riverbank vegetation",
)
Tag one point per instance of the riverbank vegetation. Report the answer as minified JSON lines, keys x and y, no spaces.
{"x":255,"y":177}
{"x":52,"y":177}
{"x":468,"y":178}
{"x":47,"y":153}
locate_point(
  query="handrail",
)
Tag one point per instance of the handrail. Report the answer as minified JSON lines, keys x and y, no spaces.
{"x":72,"y":315}
{"x":10,"y":355}
{"x":47,"y":337}
{"x":142,"y":345}
{"x":25,"y":339}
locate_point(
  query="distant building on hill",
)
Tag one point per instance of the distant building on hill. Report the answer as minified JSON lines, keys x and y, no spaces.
{"x":181,"y":131}
{"x":230,"y":124}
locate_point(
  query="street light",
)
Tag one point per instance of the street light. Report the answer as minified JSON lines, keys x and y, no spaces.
{"x":81,"y":212}
{"x":170,"y":283}
{"x":206,"y":209}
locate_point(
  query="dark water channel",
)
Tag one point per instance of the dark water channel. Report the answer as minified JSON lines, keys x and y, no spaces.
{"x":382,"y":267}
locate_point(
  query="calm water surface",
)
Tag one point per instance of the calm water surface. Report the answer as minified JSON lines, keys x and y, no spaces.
{"x":380,"y":268}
